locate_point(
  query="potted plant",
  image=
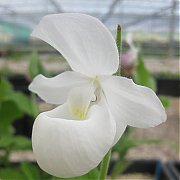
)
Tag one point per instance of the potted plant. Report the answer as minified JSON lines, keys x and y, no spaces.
{"x":168,"y":84}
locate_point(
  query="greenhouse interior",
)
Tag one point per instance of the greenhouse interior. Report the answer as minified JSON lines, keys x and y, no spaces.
{"x":89,"y":89}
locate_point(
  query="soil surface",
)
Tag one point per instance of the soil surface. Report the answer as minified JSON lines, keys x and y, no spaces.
{"x":21,"y":66}
{"x":167,"y":132}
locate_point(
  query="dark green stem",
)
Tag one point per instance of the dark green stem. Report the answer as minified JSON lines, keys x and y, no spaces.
{"x":34,"y":105}
{"x":119,"y":47}
{"x":104,"y":166}
{"x":118,"y":39}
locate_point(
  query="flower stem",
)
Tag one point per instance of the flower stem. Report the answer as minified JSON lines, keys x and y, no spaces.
{"x":104,"y":166}
{"x":34,"y":105}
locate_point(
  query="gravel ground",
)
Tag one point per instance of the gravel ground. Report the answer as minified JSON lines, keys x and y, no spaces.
{"x":154,"y":65}
{"x":164,"y":65}
{"x":21,"y":66}
{"x":167,"y":132}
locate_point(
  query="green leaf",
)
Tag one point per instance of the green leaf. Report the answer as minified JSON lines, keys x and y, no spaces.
{"x":35,"y":66}
{"x":9,"y":112}
{"x":9,"y":142}
{"x":118,"y":168}
{"x":118,"y":38}
{"x":93,"y":174}
{"x":165,"y":101}
{"x":15,"y":142}
{"x":5,"y":89}
{"x":23,"y":102}
{"x":142,"y":75}
{"x":119,"y":45}
{"x":21,"y":142}
{"x":123,"y":145}
{"x":6,"y":141}
{"x":34,"y":105}
{"x":30,"y":171}
{"x":11,"y":173}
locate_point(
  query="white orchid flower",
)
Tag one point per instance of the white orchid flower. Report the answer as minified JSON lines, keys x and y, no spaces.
{"x":129,"y":58}
{"x":73,"y":138}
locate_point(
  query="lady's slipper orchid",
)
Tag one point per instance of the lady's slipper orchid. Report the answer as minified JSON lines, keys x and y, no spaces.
{"x":129,"y":58}
{"x":73,"y":138}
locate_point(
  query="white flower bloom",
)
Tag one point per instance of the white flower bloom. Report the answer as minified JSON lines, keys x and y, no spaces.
{"x":129,"y":58}
{"x":73,"y":138}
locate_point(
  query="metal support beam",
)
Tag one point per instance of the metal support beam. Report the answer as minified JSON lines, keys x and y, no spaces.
{"x":172,"y":26}
{"x":110,"y":11}
{"x":56,"y":6}
{"x":145,"y":18}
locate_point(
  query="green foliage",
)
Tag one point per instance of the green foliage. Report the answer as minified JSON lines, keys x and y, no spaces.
{"x":165,"y":101}
{"x":119,"y":46}
{"x":24,"y":170}
{"x":11,"y":173}
{"x":13,"y":105}
{"x":35,"y":66}
{"x":8,"y":143}
{"x":30,"y":171}
{"x":9,"y":112}
{"x":13,"y":54}
{"x":22,"y":101}
{"x":119,"y":167}
{"x":93,"y":174}
{"x":123,"y":146}
{"x":142,"y":76}
{"x":15,"y":142}
{"x":118,"y":38}
{"x":5,"y":89}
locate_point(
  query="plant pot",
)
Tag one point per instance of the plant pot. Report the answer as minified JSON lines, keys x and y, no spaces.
{"x":153,"y":167}
{"x":174,"y":168}
{"x":170,"y":87}
{"x":23,"y":126}
{"x":20,"y":83}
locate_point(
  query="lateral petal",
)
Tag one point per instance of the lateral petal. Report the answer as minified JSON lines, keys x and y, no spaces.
{"x":120,"y":126}
{"x":55,"y":90}
{"x":132,"y":104}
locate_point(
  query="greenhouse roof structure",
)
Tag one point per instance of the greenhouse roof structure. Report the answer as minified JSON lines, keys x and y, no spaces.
{"x":133,"y":15}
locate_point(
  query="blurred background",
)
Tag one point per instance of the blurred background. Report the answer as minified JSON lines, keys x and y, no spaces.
{"x":149,"y":55}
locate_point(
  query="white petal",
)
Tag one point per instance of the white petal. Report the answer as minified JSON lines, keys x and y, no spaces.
{"x":120,"y":126}
{"x":69,"y":148}
{"x":55,"y":90}
{"x":132,"y":104}
{"x":83,"y":40}
{"x":79,"y":100}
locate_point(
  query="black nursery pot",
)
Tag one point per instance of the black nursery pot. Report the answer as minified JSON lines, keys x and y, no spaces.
{"x":174,"y":168}
{"x":20,"y":83}
{"x":23,"y":126}
{"x":168,"y":86}
{"x":153,"y":167}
